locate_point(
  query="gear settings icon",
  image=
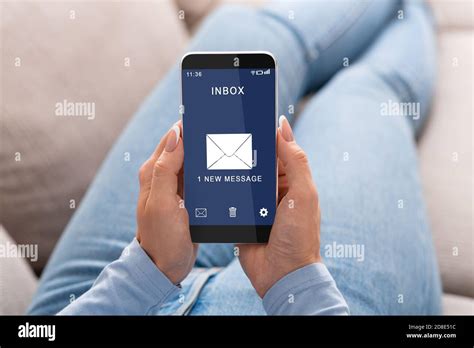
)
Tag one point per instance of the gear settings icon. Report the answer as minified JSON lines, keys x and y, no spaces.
{"x":263,"y":212}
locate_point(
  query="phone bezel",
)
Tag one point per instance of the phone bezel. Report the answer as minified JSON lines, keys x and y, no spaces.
{"x":225,"y":60}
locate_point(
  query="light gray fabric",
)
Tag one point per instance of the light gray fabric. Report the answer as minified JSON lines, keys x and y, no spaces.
{"x":453,"y":14}
{"x":446,"y":162}
{"x":457,"y":305}
{"x":17,"y":281}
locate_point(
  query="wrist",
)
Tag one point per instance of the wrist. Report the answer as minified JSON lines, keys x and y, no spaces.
{"x":171,"y":274}
{"x":167,"y":271}
{"x":278,"y":272}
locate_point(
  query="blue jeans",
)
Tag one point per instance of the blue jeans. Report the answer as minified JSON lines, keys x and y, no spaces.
{"x":361,"y":58}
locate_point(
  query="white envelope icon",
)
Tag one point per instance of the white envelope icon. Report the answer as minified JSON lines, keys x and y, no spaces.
{"x":229,"y":151}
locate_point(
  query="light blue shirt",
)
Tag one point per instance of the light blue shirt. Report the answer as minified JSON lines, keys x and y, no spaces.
{"x":133,"y":285}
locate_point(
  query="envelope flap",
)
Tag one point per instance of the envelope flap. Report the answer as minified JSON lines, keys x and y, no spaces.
{"x":229,"y":143}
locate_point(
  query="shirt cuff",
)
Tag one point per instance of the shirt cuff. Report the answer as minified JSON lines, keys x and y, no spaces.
{"x":149,"y":274}
{"x":131,"y":285}
{"x":303,"y":292}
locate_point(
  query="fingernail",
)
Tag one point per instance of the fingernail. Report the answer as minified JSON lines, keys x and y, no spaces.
{"x":285,"y":128}
{"x":173,"y":139}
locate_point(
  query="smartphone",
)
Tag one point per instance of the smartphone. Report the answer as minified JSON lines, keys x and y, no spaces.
{"x":229,"y":113}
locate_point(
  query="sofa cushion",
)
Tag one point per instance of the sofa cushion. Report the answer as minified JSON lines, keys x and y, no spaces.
{"x":194,"y":11}
{"x":457,"y":305}
{"x":457,"y":14}
{"x":446,"y":162}
{"x":106,"y":54}
{"x":17,"y":281}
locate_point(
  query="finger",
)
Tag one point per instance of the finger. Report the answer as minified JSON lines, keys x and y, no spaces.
{"x":281,"y":169}
{"x":181,"y":183}
{"x":164,"y":184}
{"x":282,"y":181}
{"x":181,"y":172}
{"x":145,"y":175}
{"x":293,"y":158}
{"x":282,"y":187}
{"x":146,"y":170}
{"x":159,"y":149}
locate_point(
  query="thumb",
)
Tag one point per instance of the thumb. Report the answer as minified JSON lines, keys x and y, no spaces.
{"x":293,"y":158}
{"x":166,"y":169}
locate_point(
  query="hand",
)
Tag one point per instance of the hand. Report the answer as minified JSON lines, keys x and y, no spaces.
{"x":294,"y":239}
{"x":163,"y":222}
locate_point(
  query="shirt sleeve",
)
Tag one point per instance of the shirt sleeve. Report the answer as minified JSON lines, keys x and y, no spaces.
{"x":131,"y":285}
{"x":310,"y":290}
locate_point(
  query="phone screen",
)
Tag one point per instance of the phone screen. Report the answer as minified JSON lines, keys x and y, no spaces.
{"x":229,"y":134}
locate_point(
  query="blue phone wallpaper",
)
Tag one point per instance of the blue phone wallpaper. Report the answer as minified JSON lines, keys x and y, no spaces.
{"x":229,"y":128}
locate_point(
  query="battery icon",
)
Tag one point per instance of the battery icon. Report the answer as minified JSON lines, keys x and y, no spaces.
{"x":260,"y":72}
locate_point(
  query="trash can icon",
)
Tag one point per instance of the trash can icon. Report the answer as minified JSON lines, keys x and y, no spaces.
{"x":232,"y":212}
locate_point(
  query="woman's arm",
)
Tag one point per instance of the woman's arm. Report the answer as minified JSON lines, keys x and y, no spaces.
{"x":131,"y":285}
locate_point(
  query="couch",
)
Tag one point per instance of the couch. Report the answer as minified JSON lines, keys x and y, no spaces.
{"x":113,"y":53}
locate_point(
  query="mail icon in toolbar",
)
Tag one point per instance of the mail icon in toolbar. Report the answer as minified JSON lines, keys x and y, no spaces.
{"x":229,"y":151}
{"x":200,"y":212}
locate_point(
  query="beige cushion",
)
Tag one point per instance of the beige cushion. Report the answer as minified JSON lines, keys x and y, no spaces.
{"x":457,"y":305}
{"x":453,"y":14}
{"x":194,"y":11}
{"x":17,"y":281}
{"x":448,"y":182}
{"x":80,"y":60}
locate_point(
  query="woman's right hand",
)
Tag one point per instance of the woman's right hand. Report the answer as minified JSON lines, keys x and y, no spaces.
{"x":294,"y":239}
{"x":163,"y":223}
